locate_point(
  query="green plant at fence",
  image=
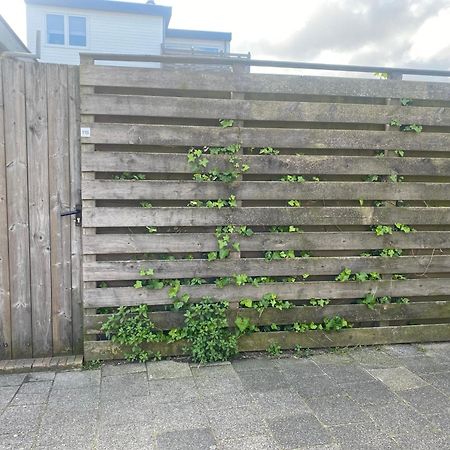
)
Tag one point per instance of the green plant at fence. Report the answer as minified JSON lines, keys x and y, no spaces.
{"x":414,"y":127}
{"x":370,"y":300}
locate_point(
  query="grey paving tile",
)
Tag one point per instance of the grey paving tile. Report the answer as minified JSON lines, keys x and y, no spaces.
{"x":241,"y":365}
{"x":128,"y":410}
{"x":440,"y":381}
{"x":29,"y":399}
{"x":362,"y":436}
{"x":395,"y":418}
{"x":17,"y":441}
{"x":398,"y":378}
{"x":180,"y":416}
{"x":130,"y":435}
{"x":236,"y":422}
{"x":262,"y":442}
{"x":299,"y":369}
{"x":168,"y":369}
{"x":316,"y":387}
{"x":299,"y":431}
{"x":427,"y":364}
{"x":427,"y":400}
{"x":194,"y":439}
{"x":172,"y":390}
{"x":374,"y":358}
{"x":441,"y":421}
{"x":339,"y":357}
{"x":122,"y":369}
{"x":370,"y":394}
{"x":337,"y":410}
{"x":438,"y":349}
{"x":235,"y":399}
{"x":344,"y":374}
{"x":39,"y":376}
{"x":12,"y":379}
{"x":280,"y":403}
{"x":37,"y":387}
{"x":122,"y":386}
{"x":217,"y":386}
{"x":419,"y":438}
{"x":85,"y":398}
{"x":76,"y":380}
{"x":225,"y":369}
{"x":263,"y":380}
{"x":7,"y":393}
{"x":21,"y":419}
{"x":403,"y":350}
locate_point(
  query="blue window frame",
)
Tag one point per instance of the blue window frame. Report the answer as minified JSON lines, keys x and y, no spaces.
{"x":55,"y":29}
{"x":77,"y":31}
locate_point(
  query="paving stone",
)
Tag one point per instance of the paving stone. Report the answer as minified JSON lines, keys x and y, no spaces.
{"x":17,"y":441}
{"x":131,"y":436}
{"x":168,"y":369}
{"x":235,"y":399}
{"x":340,"y":357}
{"x":261,"y":442}
{"x":337,"y":410}
{"x":442,"y":421}
{"x":37,"y":387}
{"x":122,"y":386}
{"x":241,"y":365}
{"x":395,"y":418}
{"x":370,"y":394}
{"x":172,"y":390}
{"x":398,"y":378}
{"x":74,"y":399}
{"x":280,"y":403}
{"x":427,"y":400}
{"x":440,"y":381}
{"x":122,"y":369}
{"x":263,"y":380}
{"x":13,"y":379}
{"x":213,"y":370}
{"x":7,"y":393}
{"x":374,"y":358}
{"x":439,"y":349}
{"x":39,"y":376}
{"x":236,"y":422}
{"x":316,"y":387}
{"x":293,"y":369}
{"x":77,"y":380}
{"x":21,"y":419}
{"x":403,"y":350}
{"x":29,"y":399}
{"x":216,"y":386}
{"x":128,"y":410}
{"x":348,"y":374}
{"x":422,"y":438}
{"x":299,"y":431}
{"x":179,"y":416}
{"x":362,"y":436}
{"x":194,"y":439}
{"x":427,"y":364}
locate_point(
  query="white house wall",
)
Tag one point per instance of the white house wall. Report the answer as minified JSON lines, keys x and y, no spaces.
{"x":107,"y":32}
{"x":221,"y":45}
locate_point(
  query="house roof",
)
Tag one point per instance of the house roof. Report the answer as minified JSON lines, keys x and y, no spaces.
{"x":9,"y":41}
{"x":109,"y":5}
{"x":197,"y":34}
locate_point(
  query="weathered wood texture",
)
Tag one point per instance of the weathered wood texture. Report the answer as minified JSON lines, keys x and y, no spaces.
{"x":36,"y":243}
{"x":141,"y":124}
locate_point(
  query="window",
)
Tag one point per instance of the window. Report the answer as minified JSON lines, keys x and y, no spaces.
{"x":77,"y":31}
{"x":55,"y":29}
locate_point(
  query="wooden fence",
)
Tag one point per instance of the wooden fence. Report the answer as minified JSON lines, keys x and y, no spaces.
{"x":139,"y":126}
{"x":40,"y":276}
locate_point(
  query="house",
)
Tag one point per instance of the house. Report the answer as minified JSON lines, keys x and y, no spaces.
{"x":71,"y":27}
{"x":9,"y":41}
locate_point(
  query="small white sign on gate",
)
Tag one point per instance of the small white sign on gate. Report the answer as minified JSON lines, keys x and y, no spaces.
{"x":85,"y":132}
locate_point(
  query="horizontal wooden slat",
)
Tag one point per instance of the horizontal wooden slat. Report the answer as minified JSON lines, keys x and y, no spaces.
{"x":207,"y":242}
{"x":96,"y":298}
{"x":262,"y":190}
{"x":129,"y":270}
{"x":188,"y":217}
{"x":282,"y":165}
{"x":304,"y":314}
{"x":204,"y":108}
{"x":176,"y":135}
{"x":92,"y":75}
{"x":105,"y":350}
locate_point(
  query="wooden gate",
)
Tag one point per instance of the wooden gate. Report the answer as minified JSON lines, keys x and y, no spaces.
{"x":40,"y":290}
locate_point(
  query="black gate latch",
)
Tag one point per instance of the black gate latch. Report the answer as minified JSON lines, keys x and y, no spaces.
{"x":76,"y":212}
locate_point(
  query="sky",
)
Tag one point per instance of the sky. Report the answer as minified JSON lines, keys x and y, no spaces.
{"x":401,"y":33}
